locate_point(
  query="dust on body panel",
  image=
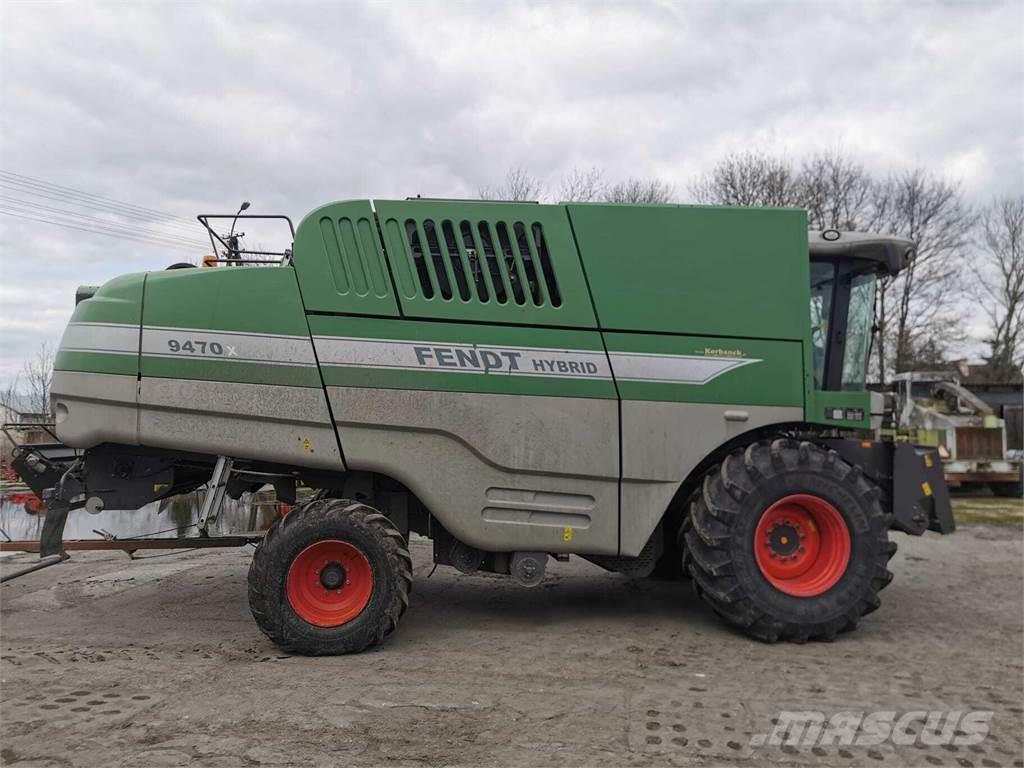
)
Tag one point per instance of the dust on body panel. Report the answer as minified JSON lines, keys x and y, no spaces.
{"x":508,"y":435}
{"x":227,"y":367}
{"x":94,"y":389}
{"x":683,"y":397}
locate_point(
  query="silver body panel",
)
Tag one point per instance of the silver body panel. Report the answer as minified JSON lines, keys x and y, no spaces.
{"x":501,"y":472}
{"x":663,"y":442}
{"x":94,"y":408}
{"x":289,"y":425}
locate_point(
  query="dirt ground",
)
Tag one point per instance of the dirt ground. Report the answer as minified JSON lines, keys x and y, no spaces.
{"x":110,"y":662}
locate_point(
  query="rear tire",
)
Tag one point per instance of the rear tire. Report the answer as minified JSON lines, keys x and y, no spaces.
{"x":743,"y":505}
{"x":333,"y":576}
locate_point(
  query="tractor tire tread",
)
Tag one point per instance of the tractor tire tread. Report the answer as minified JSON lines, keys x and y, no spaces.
{"x":717,"y":506}
{"x":267,"y":572}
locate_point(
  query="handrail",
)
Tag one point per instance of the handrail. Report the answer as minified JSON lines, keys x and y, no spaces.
{"x":215,"y":238}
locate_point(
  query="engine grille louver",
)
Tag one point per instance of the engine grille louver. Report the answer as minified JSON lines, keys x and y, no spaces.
{"x":477,"y":261}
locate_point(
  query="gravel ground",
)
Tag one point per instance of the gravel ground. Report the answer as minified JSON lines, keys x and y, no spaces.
{"x":110,"y":662}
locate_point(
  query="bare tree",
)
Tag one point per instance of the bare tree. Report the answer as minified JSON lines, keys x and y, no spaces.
{"x":917,"y":309}
{"x":8,"y":412}
{"x":1000,"y":284}
{"x":582,"y":185}
{"x":519,"y":185}
{"x":639,"y":191}
{"x":38,"y":374}
{"x":839,"y":193}
{"x":28,"y":393}
{"x":579,"y":186}
{"x":10,"y":399}
{"x":749,"y":179}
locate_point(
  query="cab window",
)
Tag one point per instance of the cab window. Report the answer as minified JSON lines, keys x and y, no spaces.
{"x":822,"y":282}
{"x":859,"y":322}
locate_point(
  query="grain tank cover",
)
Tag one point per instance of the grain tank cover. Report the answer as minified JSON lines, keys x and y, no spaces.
{"x":734,"y":272}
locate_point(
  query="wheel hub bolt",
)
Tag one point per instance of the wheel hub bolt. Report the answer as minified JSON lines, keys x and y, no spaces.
{"x":332,"y":576}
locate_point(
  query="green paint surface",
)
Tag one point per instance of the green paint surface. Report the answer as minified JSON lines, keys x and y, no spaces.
{"x":340,"y":261}
{"x":248,"y":299}
{"x":117,"y":301}
{"x":731,"y":272}
{"x":819,"y":402}
{"x":241,"y":299}
{"x":94,"y":362}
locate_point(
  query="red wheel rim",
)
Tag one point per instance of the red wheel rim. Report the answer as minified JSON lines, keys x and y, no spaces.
{"x":802,"y":545}
{"x":329,"y":583}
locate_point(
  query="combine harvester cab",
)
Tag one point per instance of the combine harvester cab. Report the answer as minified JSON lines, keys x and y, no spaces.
{"x":638,"y":385}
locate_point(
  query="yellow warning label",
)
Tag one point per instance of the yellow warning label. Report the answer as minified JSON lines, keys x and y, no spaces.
{"x":306,"y":445}
{"x":928,"y":460}
{"x":926,"y":488}
{"x":567,"y":534}
{"x":160,"y":487}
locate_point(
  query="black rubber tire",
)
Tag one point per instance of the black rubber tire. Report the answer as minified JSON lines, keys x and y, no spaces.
{"x":1007,"y":490}
{"x":362,"y":525}
{"x":684,"y":548}
{"x":182,"y":265}
{"x":724,"y":517}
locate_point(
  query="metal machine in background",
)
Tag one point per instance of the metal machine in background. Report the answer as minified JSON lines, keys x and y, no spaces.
{"x":936,"y":410}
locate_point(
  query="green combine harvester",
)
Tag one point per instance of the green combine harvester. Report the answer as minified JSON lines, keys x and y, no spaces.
{"x":667,"y":390}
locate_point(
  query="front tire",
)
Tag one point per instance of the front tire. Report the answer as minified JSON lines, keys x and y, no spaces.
{"x":789,"y":542}
{"x":332,"y":577}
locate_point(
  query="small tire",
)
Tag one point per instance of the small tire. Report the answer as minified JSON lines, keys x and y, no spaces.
{"x":370,"y":568}
{"x":728,"y":517}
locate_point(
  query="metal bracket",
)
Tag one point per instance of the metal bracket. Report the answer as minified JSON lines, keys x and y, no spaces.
{"x":44,"y":562}
{"x":216,"y":489}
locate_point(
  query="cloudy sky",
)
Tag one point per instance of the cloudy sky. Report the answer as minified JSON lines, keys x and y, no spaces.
{"x":181,"y":108}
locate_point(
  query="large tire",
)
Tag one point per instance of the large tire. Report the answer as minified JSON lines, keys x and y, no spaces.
{"x":368,"y":579}
{"x":753,"y":488}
